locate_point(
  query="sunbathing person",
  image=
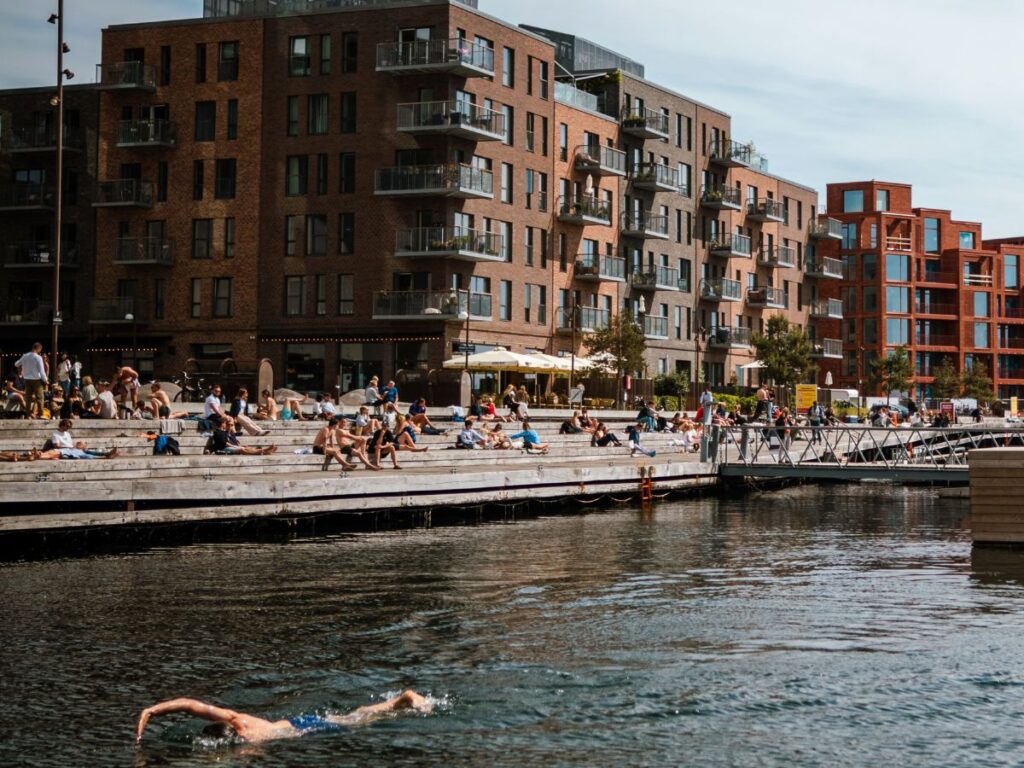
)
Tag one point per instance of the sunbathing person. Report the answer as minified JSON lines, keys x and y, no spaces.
{"x":62,"y":446}
{"x":531,"y":440}
{"x":418,"y":416}
{"x":470,"y":438}
{"x":365,"y":424}
{"x":602,"y":438}
{"x":268,"y":410}
{"x":256,"y":729}
{"x":352,"y":446}
{"x":497,"y":438}
{"x":32,"y":455}
{"x":224,"y":440}
{"x":15,"y":397}
{"x":406,"y":436}
{"x":383,"y":444}
{"x":324,"y":445}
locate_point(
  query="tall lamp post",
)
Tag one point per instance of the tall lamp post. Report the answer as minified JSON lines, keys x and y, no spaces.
{"x":572,"y":344}
{"x":58,"y":102}
{"x":135,"y":341}
{"x":701,"y":335}
{"x":464,"y":317}
{"x":860,"y":379}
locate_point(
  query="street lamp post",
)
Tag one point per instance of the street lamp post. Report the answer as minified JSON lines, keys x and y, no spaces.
{"x":58,"y":102}
{"x":701,"y":335}
{"x":860,"y":379}
{"x":572,"y":345}
{"x":135,"y":342}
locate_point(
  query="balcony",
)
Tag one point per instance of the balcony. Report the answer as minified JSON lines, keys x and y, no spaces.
{"x":947,"y":279}
{"x":455,"y":56}
{"x":430,"y":305}
{"x":655,"y":177}
{"x":766,"y":297}
{"x":121,"y":311}
{"x":730,"y":246}
{"x":730,"y":154}
{"x":827,"y":309}
{"x":721,"y":289}
{"x":721,"y":198}
{"x":1015,"y":372}
{"x":451,"y":118}
{"x":25,"y":140}
{"x":658,"y":279}
{"x":126,"y":76}
{"x":936,"y":340}
{"x":729,"y":338}
{"x":655,"y":327}
{"x":647,"y":226}
{"x":445,"y":180}
{"x":588,"y":319}
{"x":948,"y":310}
{"x":977,"y":279}
{"x":825,"y":268}
{"x":600,"y":160}
{"x":34,"y":253}
{"x":154,"y":251}
{"x":124,"y":193}
{"x":899,"y":244}
{"x":590,"y":266}
{"x":1011,"y":342}
{"x":146,"y":133}
{"x":644,"y":123}
{"x":456,"y":243}
{"x":26,"y":196}
{"x":781,"y":256}
{"x":831,"y":349}
{"x":766,"y":210}
{"x":26,"y":312}
{"x":824,"y":228}
{"x":584,"y":210}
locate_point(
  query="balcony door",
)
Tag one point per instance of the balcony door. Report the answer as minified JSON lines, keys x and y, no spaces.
{"x":410,"y":281}
{"x":414,"y":34}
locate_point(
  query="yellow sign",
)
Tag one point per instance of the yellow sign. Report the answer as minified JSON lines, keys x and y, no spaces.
{"x":806,"y":394}
{"x":1013,"y":406}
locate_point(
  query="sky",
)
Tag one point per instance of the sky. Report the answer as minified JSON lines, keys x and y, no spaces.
{"x":925,"y":92}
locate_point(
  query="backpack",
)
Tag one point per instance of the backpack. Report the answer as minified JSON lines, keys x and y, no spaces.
{"x":165,"y":445}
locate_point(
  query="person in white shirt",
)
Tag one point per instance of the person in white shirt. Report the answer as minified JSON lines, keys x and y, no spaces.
{"x":707,"y":401}
{"x":35,"y":372}
{"x":63,"y":446}
{"x":64,"y":372}
{"x":212,"y":406}
{"x":106,"y":401}
{"x":327,"y":407}
{"x":372,"y":395}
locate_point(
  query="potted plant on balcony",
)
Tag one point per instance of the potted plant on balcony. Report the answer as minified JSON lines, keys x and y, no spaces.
{"x":634,"y":120}
{"x":713,"y":195}
{"x":646,"y":173}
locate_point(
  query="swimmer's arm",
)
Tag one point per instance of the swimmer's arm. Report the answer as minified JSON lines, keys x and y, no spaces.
{"x":191,"y":706}
{"x":407,"y":700}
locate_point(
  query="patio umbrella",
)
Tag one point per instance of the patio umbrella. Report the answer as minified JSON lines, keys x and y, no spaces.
{"x":553,"y":364}
{"x":497,"y":359}
{"x":753,"y":365}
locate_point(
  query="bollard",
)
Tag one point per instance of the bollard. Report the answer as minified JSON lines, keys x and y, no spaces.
{"x":744,"y":443}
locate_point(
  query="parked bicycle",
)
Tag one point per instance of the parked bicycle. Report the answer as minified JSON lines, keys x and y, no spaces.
{"x":191,"y":389}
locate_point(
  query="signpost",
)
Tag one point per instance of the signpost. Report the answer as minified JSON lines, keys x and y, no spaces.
{"x":1013,"y":406}
{"x":806,"y":394}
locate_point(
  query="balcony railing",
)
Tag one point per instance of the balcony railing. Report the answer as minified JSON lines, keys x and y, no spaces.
{"x":124,"y":193}
{"x":730,"y":246}
{"x":766,"y":209}
{"x":648,"y":226}
{"x":26,"y":312}
{"x":120,"y":311}
{"x":721,"y":289}
{"x":126,"y":76}
{"x":827,"y":309}
{"x":782,"y":256}
{"x":455,"y":56}
{"x":588,"y":319}
{"x":448,"y":242}
{"x":825,"y":228}
{"x":655,"y":177}
{"x":946,"y":278}
{"x":445,"y":180}
{"x":936,"y":309}
{"x":44,"y":139}
{"x":35,"y":253}
{"x":721,"y":198}
{"x":590,"y":266}
{"x":1015,"y":372}
{"x":587,"y":209}
{"x":730,"y":154}
{"x":828,"y":348}
{"x":453,"y":118}
{"x":146,"y":133}
{"x":899,"y":244}
{"x":655,"y":327}
{"x":977,"y":279}
{"x":158,"y":251}
{"x":824,"y":267}
{"x":26,"y":196}
{"x":766,"y":297}
{"x":657,"y":279}
{"x":936,"y":340}
{"x":430,"y":305}
{"x":644,"y":123}
{"x":729,"y":337}
{"x":600,"y":160}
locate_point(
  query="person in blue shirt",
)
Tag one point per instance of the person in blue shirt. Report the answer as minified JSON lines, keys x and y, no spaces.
{"x":633,"y":434}
{"x":530,"y":438}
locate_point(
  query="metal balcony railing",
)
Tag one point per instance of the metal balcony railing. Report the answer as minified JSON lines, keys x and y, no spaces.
{"x":730,"y":245}
{"x":724,"y":197}
{"x":645,"y":225}
{"x":600,"y":160}
{"x":644,"y":122}
{"x":594,"y":267}
{"x":827,"y":309}
{"x":26,"y":312}
{"x":766,"y":209}
{"x":146,"y":133}
{"x":977,"y":279}
{"x":587,"y":209}
{"x":935,"y":340}
{"x":126,"y":76}
{"x":423,"y":304}
{"x":458,"y":242}
{"x":729,"y":153}
{"x":777,"y":256}
{"x":767,"y":297}
{"x":27,"y":195}
{"x":157,"y":251}
{"x":118,"y":311}
{"x":822,"y":266}
{"x":825,"y":228}
{"x":897,"y":243}
{"x":588,"y":319}
{"x":830,"y":348}
{"x":658,"y":278}
{"x":446,"y":180}
{"x":36,"y":253}
{"x":729,"y":337}
{"x":655,"y":327}
{"x":455,"y":55}
{"x":451,"y":117}
{"x":931,"y":308}
{"x":656,"y":177}
{"x":721,"y":289}
{"x":43,"y":138}
{"x":123,"y":193}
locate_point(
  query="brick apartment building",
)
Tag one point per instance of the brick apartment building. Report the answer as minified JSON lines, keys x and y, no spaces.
{"x":917,"y":277}
{"x":336,"y":186}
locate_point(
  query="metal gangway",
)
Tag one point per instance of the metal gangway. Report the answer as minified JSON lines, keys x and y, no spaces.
{"x":854,"y":452}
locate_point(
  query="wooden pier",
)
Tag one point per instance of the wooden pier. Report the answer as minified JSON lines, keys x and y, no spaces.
{"x":997,"y":497}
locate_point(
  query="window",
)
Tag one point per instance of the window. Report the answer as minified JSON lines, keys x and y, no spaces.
{"x":527,"y":301}
{"x":870,"y":299}
{"x":544,"y":142}
{"x":291,"y":228}
{"x":202,"y":238}
{"x":224,"y":180}
{"x":897,"y":299}
{"x":543,"y":79}
{"x":897,"y":331}
{"x":881,"y":200}
{"x":349,"y":51}
{"x":685,"y":275}
{"x":981,"y":304}
{"x":200,"y":62}
{"x":345,"y":294}
{"x":685,"y":176}
{"x":505,"y":247}
{"x":897,"y":267}
{"x":232,"y":132}
{"x":528,"y":247}
{"x":159,"y":298}
{"x":849,"y":232}
{"x":510,"y":132}
{"x":293,"y":115}
{"x":229,"y":238}
{"x":297,"y":175}
{"x":967,"y":240}
{"x":206,"y":120}
{"x":347,"y":172}
{"x":1011,"y":277}
{"x":294,"y":295}
{"x":161,"y":181}
{"x":853,"y":201}
{"x":317,"y":114}
{"x":165,"y":65}
{"x":869,"y":266}
{"x":346,"y":233}
{"x":505,"y":297}
{"x":298,"y":56}
{"x":316,"y":234}
{"x":870,"y":335}
{"x":563,"y":142}
{"x":931,"y":235}
{"x":348,"y":112}
{"x":981,"y":340}
{"x":325,"y":63}
{"x":196,"y":309}
{"x":321,"y":173}
{"x":506,"y":183}
{"x":222,"y":297}
{"x":197,"y":179}
{"x":227,"y":61}
{"x":785,"y":210}
{"x":531,"y":120}
{"x":508,"y":67}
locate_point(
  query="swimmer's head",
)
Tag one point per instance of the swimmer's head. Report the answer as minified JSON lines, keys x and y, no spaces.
{"x":218,"y":731}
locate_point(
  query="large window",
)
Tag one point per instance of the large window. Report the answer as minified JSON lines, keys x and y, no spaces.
{"x":317,"y":114}
{"x":346,"y":233}
{"x":897,"y":299}
{"x":849,"y":232}
{"x":202,"y":238}
{"x":870,"y":294}
{"x":981,"y":304}
{"x":967,"y":240}
{"x":881,"y":200}
{"x":222,"y":297}
{"x":347,"y":172}
{"x":346,"y":294}
{"x":348,"y":112}
{"x":325,"y":59}
{"x":291,"y":233}
{"x":232,"y":132}
{"x":981,"y":339}
{"x":870,"y":333}
{"x":293,"y":115}
{"x":1011,"y":277}
{"x":206,"y":121}
{"x":508,"y":67}
{"x":505,"y":297}
{"x":349,"y":51}
{"x":869,"y":266}
{"x":224,"y":181}
{"x":897,"y":267}
{"x":295,"y":295}
{"x":227,"y":61}
{"x":229,"y":238}
{"x":316,"y":234}
{"x":897,"y":331}
{"x":931,"y":235}
{"x":298,"y":56}
{"x":853,"y":201}
{"x":196,"y":294}
{"x":297,"y":176}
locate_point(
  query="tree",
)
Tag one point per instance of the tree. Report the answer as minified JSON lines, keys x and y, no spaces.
{"x":672,"y":385}
{"x":785,"y":351}
{"x":977,"y":384}
{"x":892,"y":373}
{"x":620,"y":347}
{"x":947,"y":383}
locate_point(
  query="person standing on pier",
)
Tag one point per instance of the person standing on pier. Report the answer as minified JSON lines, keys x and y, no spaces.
{"x":707,"y":401}
{"x":35,"y":371}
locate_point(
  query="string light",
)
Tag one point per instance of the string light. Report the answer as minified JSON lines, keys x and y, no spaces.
{"x":346,"y":340}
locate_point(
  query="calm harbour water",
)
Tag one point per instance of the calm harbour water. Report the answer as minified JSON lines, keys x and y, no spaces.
{"x":805,"y":627}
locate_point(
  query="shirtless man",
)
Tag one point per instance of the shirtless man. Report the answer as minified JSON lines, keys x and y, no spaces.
{"x":159,"y":404}
{"x":354,"y":445}
{"x":256,"y":729}
{"x":325,"y":445}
